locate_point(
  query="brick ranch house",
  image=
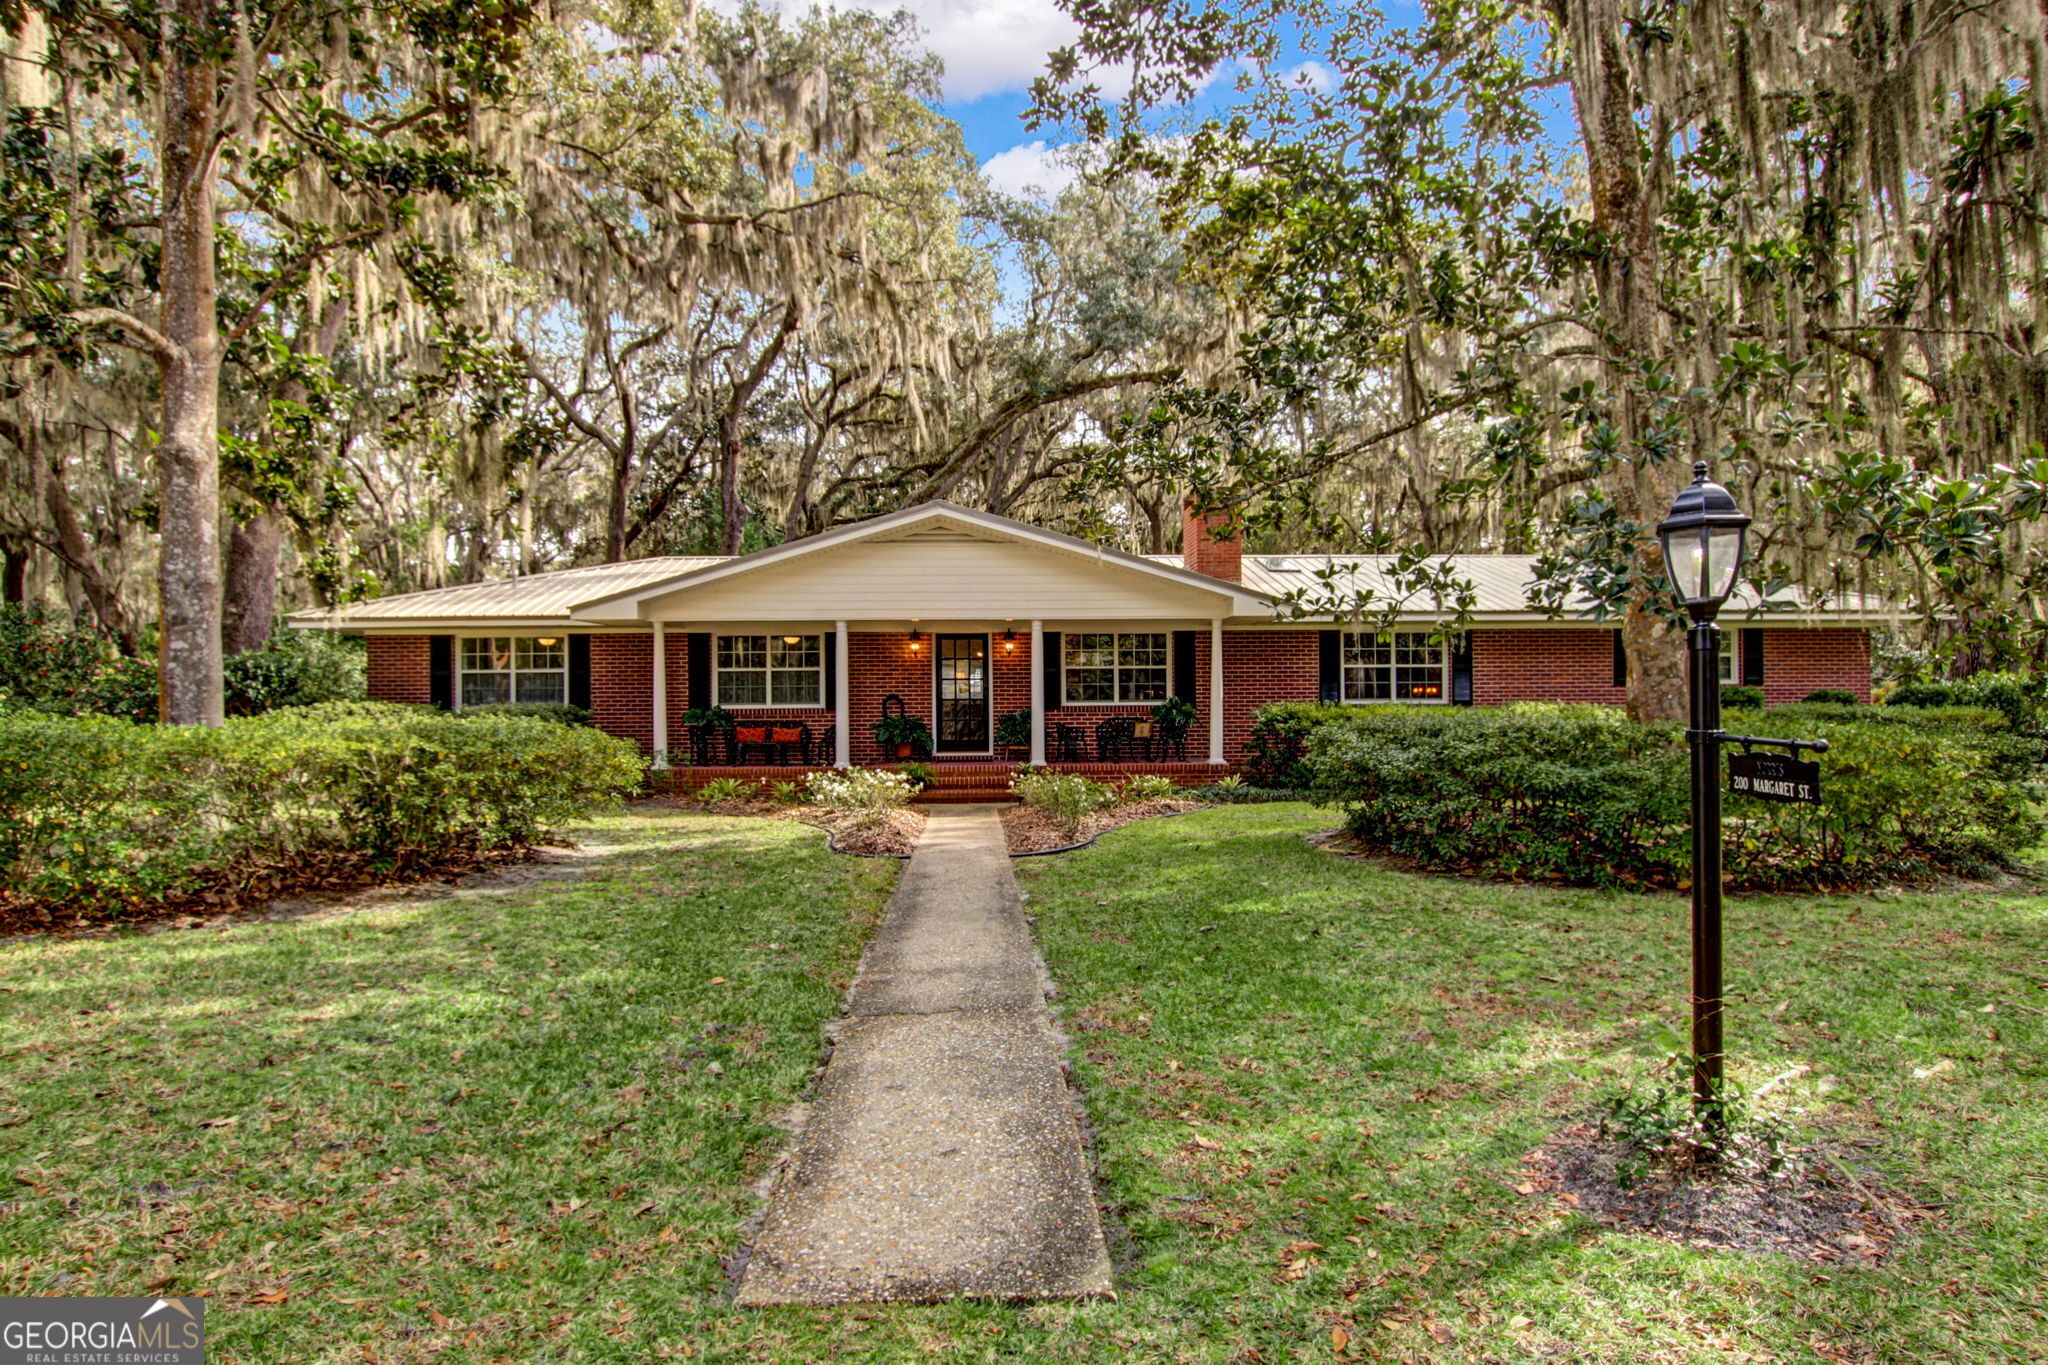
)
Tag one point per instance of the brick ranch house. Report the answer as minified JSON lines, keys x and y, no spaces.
{"x":985,"y":615}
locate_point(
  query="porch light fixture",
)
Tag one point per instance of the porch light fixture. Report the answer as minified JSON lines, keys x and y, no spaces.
{"x":792,"y":639}
{"x":546,"y":642}
{"x":916,"y":639}
{"x":1009,"y":640}
{"x":1704,"y":539}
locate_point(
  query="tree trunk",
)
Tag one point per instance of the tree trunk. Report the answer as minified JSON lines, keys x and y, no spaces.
{"x":1625,"y":215}
{"x":732,"y":509}
{"x":74,"y":547}
{"x":251,"y":599}
{"x":13,"y":570}
{"x":188,"y":453}
{"x":615,"y":537}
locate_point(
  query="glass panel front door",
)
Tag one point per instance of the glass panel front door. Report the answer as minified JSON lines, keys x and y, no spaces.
{"x":962,"y":691}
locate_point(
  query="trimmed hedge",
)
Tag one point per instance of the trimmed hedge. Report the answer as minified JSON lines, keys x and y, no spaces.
{"x":1579,"y":794}
{"x":561,"y":713}
{"x":98,"y":812}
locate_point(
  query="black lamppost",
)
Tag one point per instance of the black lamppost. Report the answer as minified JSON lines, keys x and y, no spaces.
{"x":1704,"y":539}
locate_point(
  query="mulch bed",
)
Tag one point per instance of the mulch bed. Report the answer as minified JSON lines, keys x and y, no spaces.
{"x":891,"y":834}
{"x":248,"y":890}
{"x":1032,"y":831}
{"x":1814,"y":1207}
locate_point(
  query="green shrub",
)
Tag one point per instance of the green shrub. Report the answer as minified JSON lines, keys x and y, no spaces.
{"x":1066,"y":798}
{"x":2022,"y":698}
{"x":96,"y":811}
{"x":1833,"y":696}
{"x":1275,"y":750}
{"x":787,"y":793}
{"x":559,"y":712}
{"x":297,"y":668}
{"x":720,"y":790}
{"x":866,"y":792}
{"x":1579,"y":794}
{"x":1235,"y":791}
{"x":1742,"y":698}
{"x":1149,"y":787}
{"x":42,"y":659}
{"x":921,"y":774}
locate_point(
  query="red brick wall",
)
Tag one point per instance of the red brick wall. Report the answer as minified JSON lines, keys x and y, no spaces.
{"x":1569,"y":664}
{"x":1260,"y":666}
{"x":882,"y":663}
{"x":400,"y":668}
{"x":622,"y":685}
{"x":1797,"y":662}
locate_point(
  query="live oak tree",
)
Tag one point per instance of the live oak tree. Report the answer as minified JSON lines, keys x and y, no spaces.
{"x":1549,"y":254}
{"x":310,"y":132}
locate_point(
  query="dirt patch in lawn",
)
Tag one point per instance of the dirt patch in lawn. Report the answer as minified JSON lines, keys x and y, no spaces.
{"x":1814,"y":1206}
{"x":888,"y":834}
{"x":1033,"y":831}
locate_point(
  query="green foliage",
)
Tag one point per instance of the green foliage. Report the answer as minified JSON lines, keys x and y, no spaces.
{"x":559,"y":712}
{"x":1235,"y":791}
{"x":1174,"y":716}
{"x":787,"y":792}
{"x":1067,"y":798}
{"x":2022,"y":698}
{"x":1833,"y":696}
{"x":41,"y":659}
{"x":866,"y":792}
{"x":919,"y":773}
{"x":891,"y":731}
{"x":1274,"y":753}
{"x":713,"y":717}
{"x":297,"y":668}
{"x":98,"y":811}
{"x":719,"y":790}
{"x":1742,"y":698}
{"x":1578,"y":794}
{"x":1014,"y":727}
{"x":1666,"y":1133}
{"x":1148,"y":787}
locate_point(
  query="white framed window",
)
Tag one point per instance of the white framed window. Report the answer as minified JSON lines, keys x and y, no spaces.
{"x":770,"y":670}
{"x":1731,"y":666}
{"x":1405,"y":666}
{"x":512,"y":668}
{"x":1101,"y":668}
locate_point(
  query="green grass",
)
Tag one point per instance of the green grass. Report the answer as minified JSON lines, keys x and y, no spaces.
{"x":440,"y":1149}
{"x":518,"y":1124}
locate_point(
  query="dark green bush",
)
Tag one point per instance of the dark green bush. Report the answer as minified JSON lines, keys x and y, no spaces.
{"x":1833,"y":696}
{"x":297,"y":668}
{"x":42,"y":658}
{"x":1275,"y":752}
{"x":2022,"y":698}
{"x":561,"y":713}
{"x":98,"y":812}
{"x":1579,"y":794}
{"x":1245,"y":794}
{"x":1742,"y":698}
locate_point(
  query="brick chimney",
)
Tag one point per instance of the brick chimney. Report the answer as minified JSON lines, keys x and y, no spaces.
{"x":1211,"y":542}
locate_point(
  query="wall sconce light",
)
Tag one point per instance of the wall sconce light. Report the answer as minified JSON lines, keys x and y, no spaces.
{"x":1009,"y":641}
{"x":546,"y":642}
{"x":916,"y":639}
{"x":792,"y":639}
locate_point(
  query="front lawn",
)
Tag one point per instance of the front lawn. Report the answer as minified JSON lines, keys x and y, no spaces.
{"x":1313,"y":1082}
{"x":513,"y":1124}
{"x":522,"y":1124}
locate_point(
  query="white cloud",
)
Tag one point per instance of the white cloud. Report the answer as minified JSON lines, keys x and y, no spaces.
{"x":1032,"y":169}
{"x":1315,"y":75}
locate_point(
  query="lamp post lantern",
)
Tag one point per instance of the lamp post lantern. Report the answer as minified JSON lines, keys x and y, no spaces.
{"x":1703,"y":541}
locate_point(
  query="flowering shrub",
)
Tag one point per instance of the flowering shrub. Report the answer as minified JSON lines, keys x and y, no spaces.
{"x":1066,"y":798}
{"x":868,"y":792}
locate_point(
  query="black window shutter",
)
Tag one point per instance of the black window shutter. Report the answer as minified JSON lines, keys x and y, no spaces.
{"x":698,"y":661}
{"x":1461,"y":670}
{"x":1184,"y":664}
{"x":579,"y":671}
{"x":831,"y":643}
{"x":1053,"y":699}
{"x":1330,"y":661}
{"x":1620,"y":661}
{"x":441,"y":671}
{"x":1753,"y":657}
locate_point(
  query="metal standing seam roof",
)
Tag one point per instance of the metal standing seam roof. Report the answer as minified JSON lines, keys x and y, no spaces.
{"x":528,"y":597}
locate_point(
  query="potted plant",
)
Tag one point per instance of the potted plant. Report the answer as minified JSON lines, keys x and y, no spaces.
{"x":1173,"y":716}
{"x":1013,"y":733}
{"x":704,"y":722}
{"x":903,"y":736}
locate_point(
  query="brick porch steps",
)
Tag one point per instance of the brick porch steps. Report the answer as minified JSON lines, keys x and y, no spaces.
{"x":953,"y":780}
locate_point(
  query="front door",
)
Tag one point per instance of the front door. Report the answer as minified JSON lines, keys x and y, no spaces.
{"x":962,"y":689}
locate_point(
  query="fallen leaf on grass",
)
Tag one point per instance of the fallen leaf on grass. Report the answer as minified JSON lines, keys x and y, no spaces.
{"x":1518,"y":1322}
{"x":1208,"y":1144}
{"x":220,"y":1123}
{"x":1340,"y":1340}
{"x":272,"y":1296}
{"x":1441,"y":1335}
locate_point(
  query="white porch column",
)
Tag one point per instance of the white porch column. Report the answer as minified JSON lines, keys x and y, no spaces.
{"x":660,"y":695}
{"x":842,"y":714}
{"x":1038,"y":693}
{"x":1216,"y":690}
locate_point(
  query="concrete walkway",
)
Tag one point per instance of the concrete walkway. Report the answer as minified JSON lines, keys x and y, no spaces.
{"x":941,"y":1159}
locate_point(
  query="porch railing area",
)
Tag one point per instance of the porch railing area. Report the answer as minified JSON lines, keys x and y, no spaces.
{"x":953,"y":780}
